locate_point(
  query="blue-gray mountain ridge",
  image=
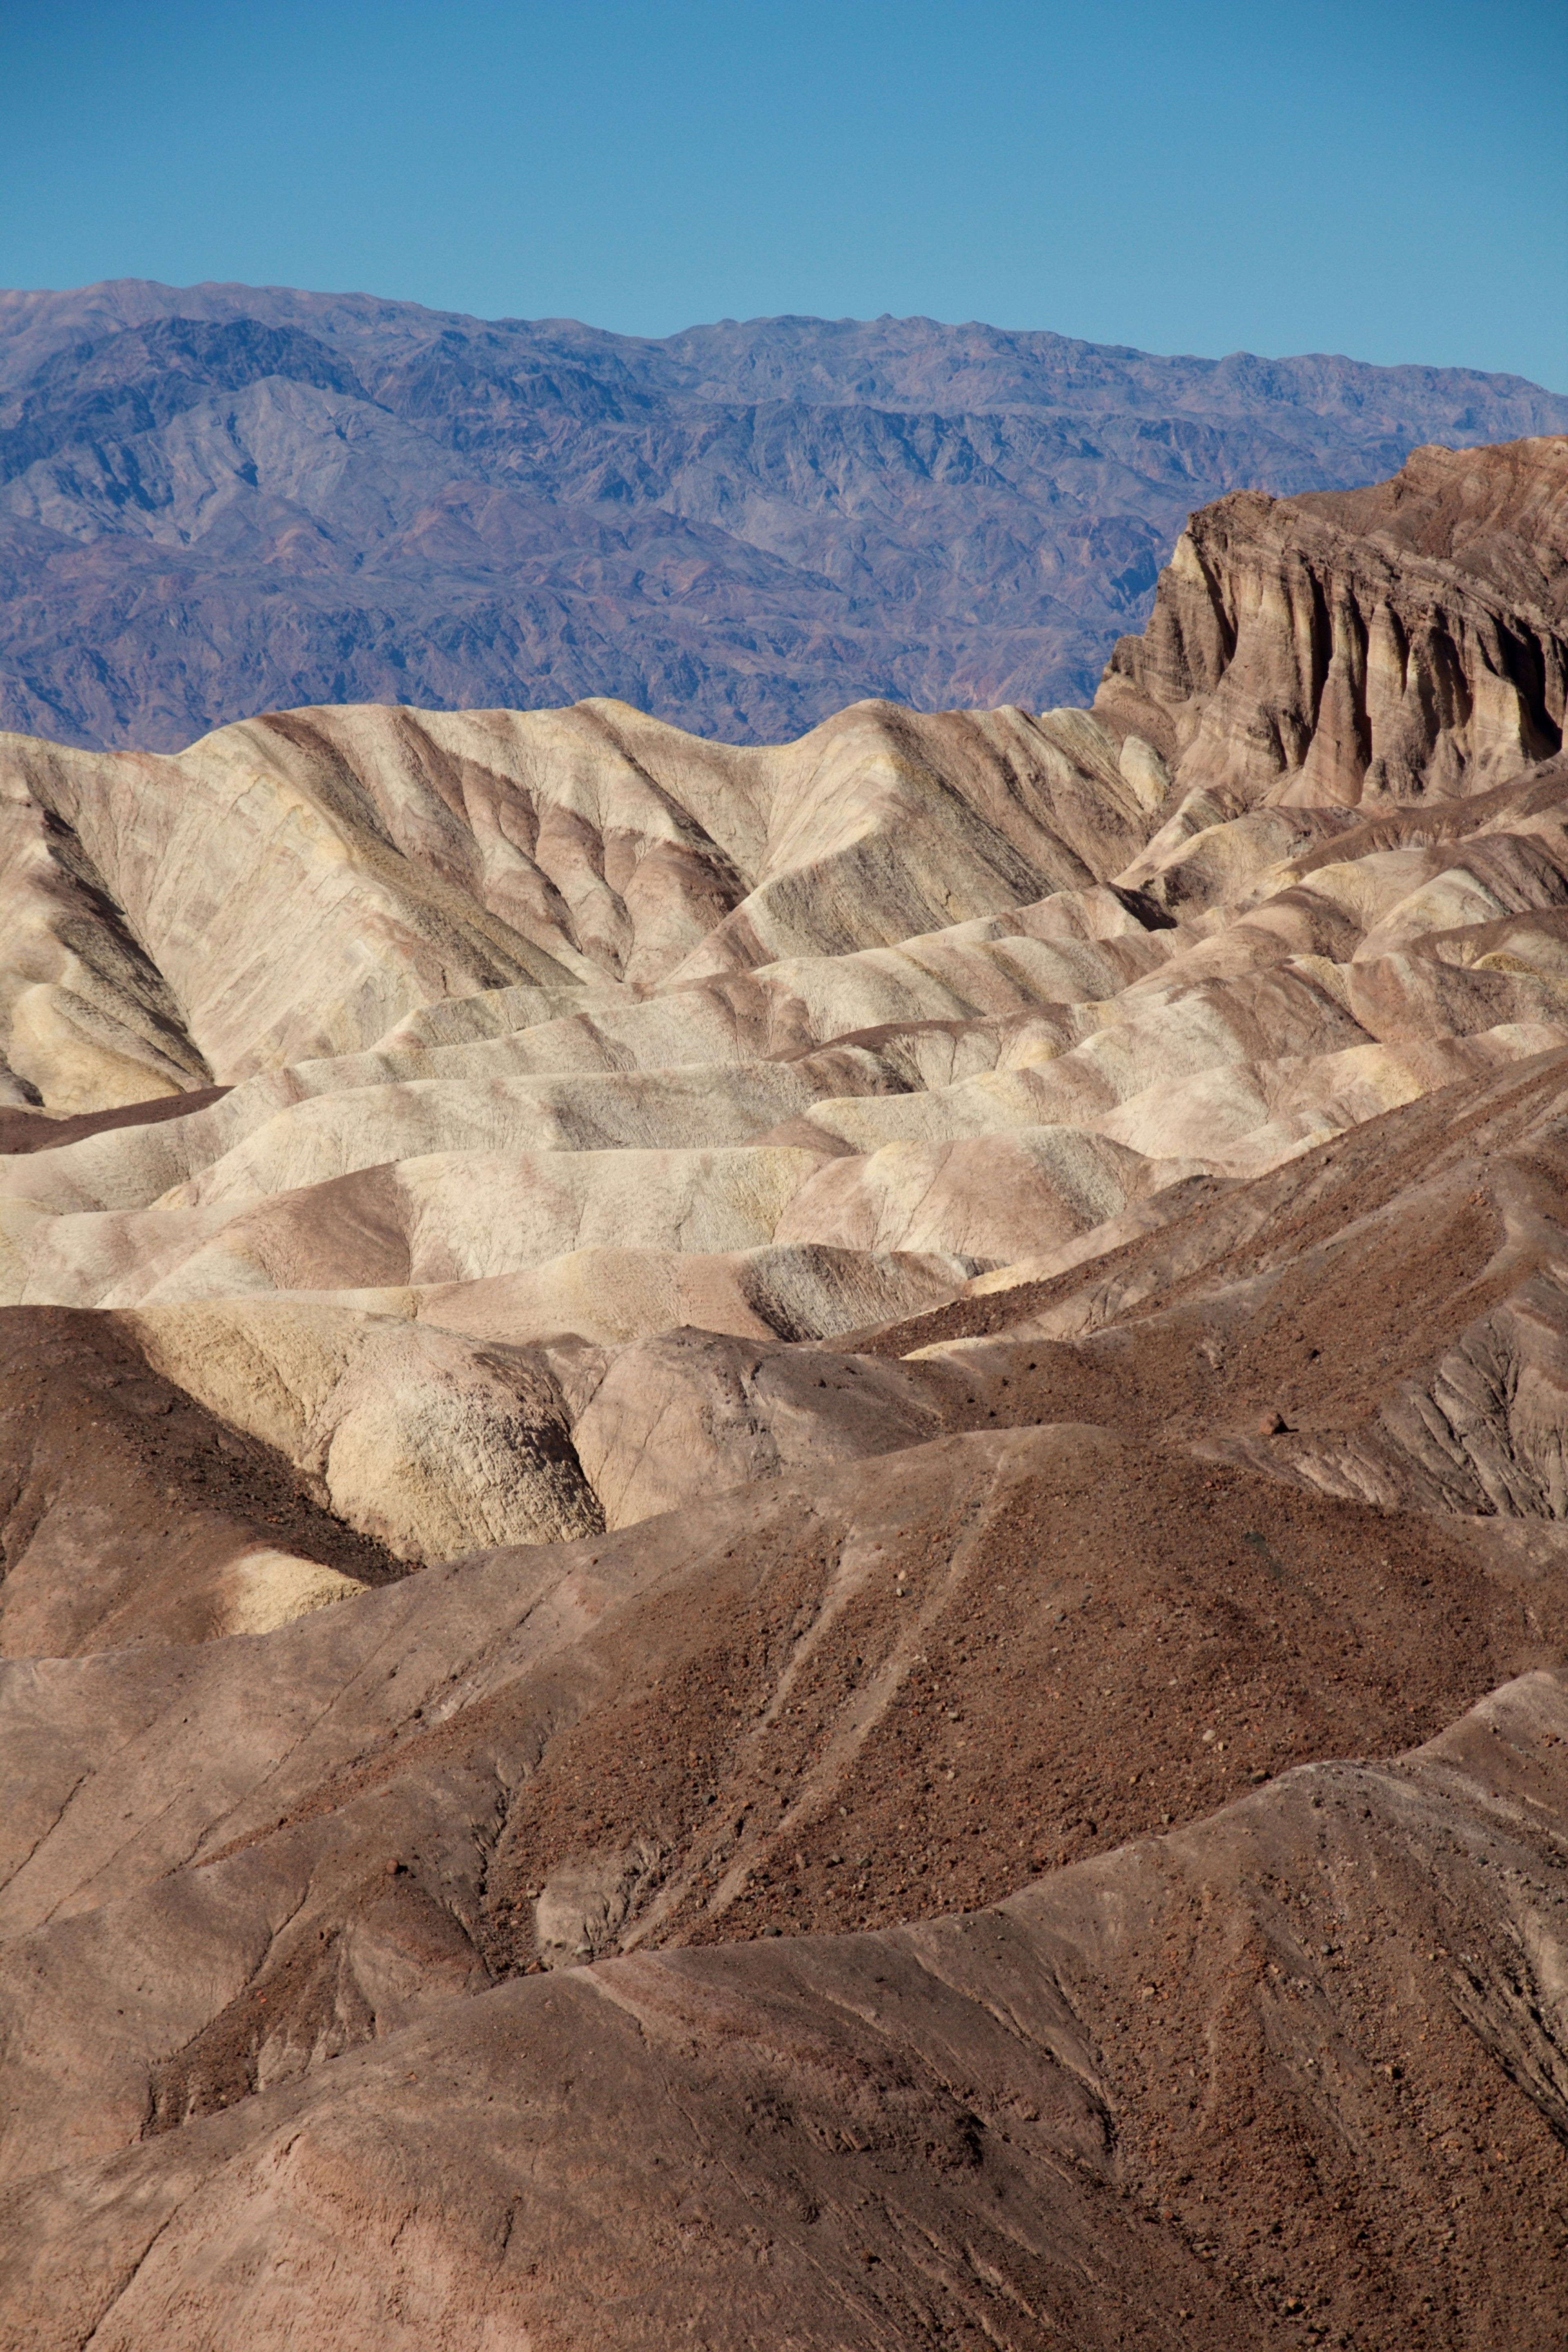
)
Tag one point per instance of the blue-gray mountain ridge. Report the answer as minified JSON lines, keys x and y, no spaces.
{"x":220,"y":499}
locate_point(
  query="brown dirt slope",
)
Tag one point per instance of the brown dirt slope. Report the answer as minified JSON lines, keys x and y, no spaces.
{"x":124,"y":1507}
{"x":1290,"y":2077}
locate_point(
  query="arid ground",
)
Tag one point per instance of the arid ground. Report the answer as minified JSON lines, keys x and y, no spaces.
{"x":785,"y":1529}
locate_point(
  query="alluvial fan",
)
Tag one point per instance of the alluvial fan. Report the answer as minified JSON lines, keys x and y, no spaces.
{"x":784,"y":1529}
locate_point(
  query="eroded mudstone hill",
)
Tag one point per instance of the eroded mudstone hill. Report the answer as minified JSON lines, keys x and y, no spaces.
{"x":784,"y":1531}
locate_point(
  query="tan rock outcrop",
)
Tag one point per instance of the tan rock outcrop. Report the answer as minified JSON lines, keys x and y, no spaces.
{"x":1363,"y":645}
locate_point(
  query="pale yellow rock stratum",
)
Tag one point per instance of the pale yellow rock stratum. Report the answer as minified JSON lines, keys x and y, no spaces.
{"x":296,"y":885}
{"x":262,"y":1587}
{"x":432,"y":1442}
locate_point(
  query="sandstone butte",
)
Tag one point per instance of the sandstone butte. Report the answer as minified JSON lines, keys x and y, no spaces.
{"x":784,"y":1528}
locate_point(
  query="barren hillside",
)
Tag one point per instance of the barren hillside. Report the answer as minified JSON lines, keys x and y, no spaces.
{"x":784,"y":1529}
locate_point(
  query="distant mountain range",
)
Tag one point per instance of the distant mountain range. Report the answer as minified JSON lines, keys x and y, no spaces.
{"x":220,"y":499}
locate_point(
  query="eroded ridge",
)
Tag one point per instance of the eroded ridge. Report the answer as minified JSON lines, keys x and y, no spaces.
{"x":784,"y":1557}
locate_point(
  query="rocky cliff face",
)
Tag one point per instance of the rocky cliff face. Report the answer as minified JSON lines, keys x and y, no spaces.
{"x":1374,"y":646}
{"x":783,"y":1543}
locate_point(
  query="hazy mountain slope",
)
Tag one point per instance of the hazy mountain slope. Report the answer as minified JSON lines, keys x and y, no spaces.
{"x":221,"y":499}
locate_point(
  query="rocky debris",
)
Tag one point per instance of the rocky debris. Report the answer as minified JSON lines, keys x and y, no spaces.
{"x":837,"y":1613}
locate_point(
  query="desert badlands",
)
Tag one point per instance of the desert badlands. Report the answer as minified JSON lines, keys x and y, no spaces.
{"x":784,"y":1529}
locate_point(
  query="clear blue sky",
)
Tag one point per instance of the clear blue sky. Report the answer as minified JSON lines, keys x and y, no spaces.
{"x":1385,"y":180}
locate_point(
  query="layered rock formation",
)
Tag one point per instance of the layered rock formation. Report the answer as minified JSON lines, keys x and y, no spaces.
{"x":783,"y":1535}
{"x":1388,"y":644}
{"x":220,"y":499}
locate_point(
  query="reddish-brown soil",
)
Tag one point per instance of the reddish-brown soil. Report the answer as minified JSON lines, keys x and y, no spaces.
{"x":1109,"y":1641}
